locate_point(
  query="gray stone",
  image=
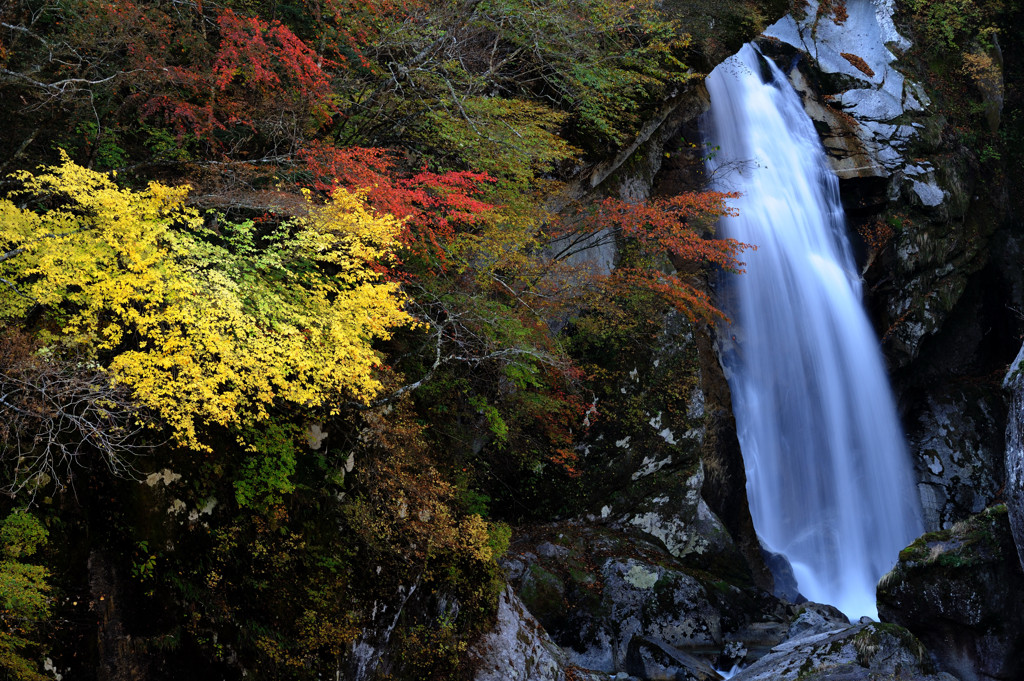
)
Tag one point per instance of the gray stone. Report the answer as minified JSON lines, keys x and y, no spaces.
{"x":961,"y":592}
{"x":954,"y":440}
{"x":871,"y":105}
{"x":1014,"y":461}
{"x":868,"y":32}
{"x":654,"y":660}
{"x":549,"y":550}
{"x":817,"y":618}
{"x":610,"y":589}
{"x":517,"y":648}
{"x":864,"y":99}
{"x":785,"y":581}
{"x":862,"y":652}
{"x":928,"y":193}
{"x":678,"y":518}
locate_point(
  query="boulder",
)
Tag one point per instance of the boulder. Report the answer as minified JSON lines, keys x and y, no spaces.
{"x":518,"y":649}
{"x":676,"y":515}
{"x":961,"y":592}
{"x":653,"y":659}
{"x":785,"y":585}
{"x":817,"y":618}
{"x":619,"y":602}
{"x":862,"y":652}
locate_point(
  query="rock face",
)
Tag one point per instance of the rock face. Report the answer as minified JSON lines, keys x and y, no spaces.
{"x":883,"y":138}
{"x":961,"y":592}
{"x":517,"y":649}
{"x":1014,"y":381}
{"x":957,"y":435}
{"x":617,"y":602}
{"x":655,"y":425}
{"x":864,"y":115}
{"x":859,"y":653}
{"x":937,"y":281}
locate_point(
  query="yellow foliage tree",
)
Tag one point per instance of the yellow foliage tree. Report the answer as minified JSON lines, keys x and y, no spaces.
{"x":205,"y":326}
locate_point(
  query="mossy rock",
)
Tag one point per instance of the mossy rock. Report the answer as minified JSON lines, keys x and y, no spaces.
{"x":863,"y":652}
{"x":594,"y":589}
{"x":961,"y":592}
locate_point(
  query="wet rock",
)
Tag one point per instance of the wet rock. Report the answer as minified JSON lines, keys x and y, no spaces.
{"x":650,"y":658}
{"x":958,"y":450}
{"x":817,"y":618}
{"x":785,"y":585}
{"x":1014,"y":382}
{"x":613,"y":600}
{"x":961,"y":592}
{"x":751,"y":642}
{"x":862,"y":652}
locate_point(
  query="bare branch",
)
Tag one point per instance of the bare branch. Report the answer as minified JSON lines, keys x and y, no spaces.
{"x":57,"y":415}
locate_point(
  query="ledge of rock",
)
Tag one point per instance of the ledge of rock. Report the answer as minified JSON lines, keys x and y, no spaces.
{"x":619,"y":602}
{"x":961,"y":592}
{"x":862,"y":652}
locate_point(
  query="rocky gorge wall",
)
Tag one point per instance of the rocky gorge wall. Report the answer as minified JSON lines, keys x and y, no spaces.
{"x":941,"y":260}
{"x":934,"y":232}
{"x":939,"y":249}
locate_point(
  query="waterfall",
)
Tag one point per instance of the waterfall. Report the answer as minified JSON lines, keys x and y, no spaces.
{"x":828,"y":475}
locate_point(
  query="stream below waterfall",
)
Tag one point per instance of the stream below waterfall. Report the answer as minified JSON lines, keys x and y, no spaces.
{"x":828,"y":476}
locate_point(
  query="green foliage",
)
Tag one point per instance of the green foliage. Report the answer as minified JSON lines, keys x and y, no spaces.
{"x":495,"y":423}
{"x":499,"y":538}
{"x":101,"y":145}
{"x":24,"y":595}
{"x":144,"y":564}
{"x":165,"y":146}
{"x":266,"y":475}
{"x":21,"y":535}
{"x":508,"y":138}
{"x":475,"y":502}
{"x":603,"y":59}
{"x":952,"y":24}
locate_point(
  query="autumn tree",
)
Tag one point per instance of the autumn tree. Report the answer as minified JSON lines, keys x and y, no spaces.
{"x":205,"y":323}
{"x":673,"y":237}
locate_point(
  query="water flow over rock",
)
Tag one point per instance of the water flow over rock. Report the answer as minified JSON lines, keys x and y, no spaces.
{"x":828,"y":475}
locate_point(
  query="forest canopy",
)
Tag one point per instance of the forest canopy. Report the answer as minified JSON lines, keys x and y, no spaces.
{"x":315,"y":272}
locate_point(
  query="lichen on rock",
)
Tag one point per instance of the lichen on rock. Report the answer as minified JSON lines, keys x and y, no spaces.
{"x":960,"y":591}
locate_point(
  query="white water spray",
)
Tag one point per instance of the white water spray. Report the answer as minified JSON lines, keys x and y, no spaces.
{"x":828,"y":475}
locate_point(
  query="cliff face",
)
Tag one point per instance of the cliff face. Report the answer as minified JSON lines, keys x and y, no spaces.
{"x":663,"y":565}
{"x":935,"y":234}
{"x":931,"y":207}
{"x":1014,"y":460}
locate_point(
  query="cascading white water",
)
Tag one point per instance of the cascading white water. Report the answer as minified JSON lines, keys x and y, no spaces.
{"x":828,"y":475}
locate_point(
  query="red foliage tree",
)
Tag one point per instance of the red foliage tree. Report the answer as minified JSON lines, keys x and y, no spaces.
{"x":672,"y":227}
{"x":248,"y":74}
{"x":435,"y":206}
